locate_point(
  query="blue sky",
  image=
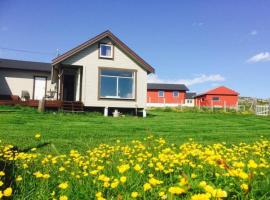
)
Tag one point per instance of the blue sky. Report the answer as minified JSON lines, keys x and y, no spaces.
{"x":201,"y":43}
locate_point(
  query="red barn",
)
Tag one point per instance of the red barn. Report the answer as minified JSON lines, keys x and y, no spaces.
{"x":165,"y":94}
{"x":218,"y":97}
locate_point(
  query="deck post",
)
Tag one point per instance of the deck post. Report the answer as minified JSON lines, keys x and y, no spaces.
{"x":144,"y":112}
{"x":106,"y":109}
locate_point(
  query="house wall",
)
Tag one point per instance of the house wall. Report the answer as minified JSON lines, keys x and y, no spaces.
{"x":12,"y":82}
{"x":206,"y":100}
{"x":89,"y":59}
{"x":152,"y":97}
{"x":189,"y":102}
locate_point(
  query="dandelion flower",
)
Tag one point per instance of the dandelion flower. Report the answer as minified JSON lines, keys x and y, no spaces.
{"x":134,"y":194}
{"x":8,"y":192}
{"x":63,"y":185}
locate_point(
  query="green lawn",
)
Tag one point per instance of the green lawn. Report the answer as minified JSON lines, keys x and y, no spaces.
{"x":81,"y":131}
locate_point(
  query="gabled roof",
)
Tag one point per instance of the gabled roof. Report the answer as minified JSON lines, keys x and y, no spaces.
{"x":165,"y":86}
{"x":117,"y":41}
{"x":25,"y":65}
{"x":190,"y":95}
{"x":222,"y":90}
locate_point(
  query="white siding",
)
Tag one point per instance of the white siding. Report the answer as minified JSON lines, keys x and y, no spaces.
{"x":12,"y":82}
{"x":89,"y":59}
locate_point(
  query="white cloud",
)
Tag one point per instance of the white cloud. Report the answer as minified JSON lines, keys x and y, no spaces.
{"x":253,"y":32}
{"x":196,"y":80}
{"x":260,"y":57}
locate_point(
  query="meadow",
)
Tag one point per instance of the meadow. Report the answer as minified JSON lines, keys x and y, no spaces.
{"x":82,"y":131}
{"x":168,"y":155}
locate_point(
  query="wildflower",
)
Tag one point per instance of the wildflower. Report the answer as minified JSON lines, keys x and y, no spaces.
{"x":146,"y":187}
{"x":134,"y":194}
{"x":193,"y":175}
{"x":2,"y":173}
{"x":19,"y":178}
{"x":137,"y":167}
{"x":220,"y":193}
{"x":61,"y":169}
{"x":162,"y":195}
{"x":176,"y":190}
{"x":123,"y":179}
{"x":38,"y":174}
{"x":252,"y":164}
{"x":46,"y":176}
{"x":123,"y":168}
{"x":63,"y":185}
{"x":8,"y":192}
{"x":1,"y":183}
{"x":200,"y":197}
{"x":202,"y":184}
{"x":37,"y":136}
{"x":244,"y":187}
{"x":63,"y":197}
{"x":114,"y":184}
{"x":154,"y":181}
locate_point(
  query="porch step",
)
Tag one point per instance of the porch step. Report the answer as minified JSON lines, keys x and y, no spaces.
{"x":72,"y":106}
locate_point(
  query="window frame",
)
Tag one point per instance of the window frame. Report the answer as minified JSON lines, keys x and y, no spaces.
{"x":177,"y":93}
{"x":162,"y":92}
{"x":134,"y":87}
{"x":106,"y":57}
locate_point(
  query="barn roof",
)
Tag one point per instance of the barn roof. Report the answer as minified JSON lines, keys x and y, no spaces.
{"x":222,"y":90}
{"x":165,"y":86}
{"x":25,"y":65}
{"x":190,"y":95}
{"x":115,"y":40}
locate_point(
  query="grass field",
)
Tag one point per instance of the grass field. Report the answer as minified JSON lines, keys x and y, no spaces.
{"x":81,"y":131}
{"x":94,"y":157}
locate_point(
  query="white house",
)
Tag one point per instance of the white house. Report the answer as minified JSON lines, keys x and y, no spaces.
{"x":103,"y":72}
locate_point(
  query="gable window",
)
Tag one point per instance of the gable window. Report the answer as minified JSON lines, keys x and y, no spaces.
{"x":106,"y":51}
{"x":175,"y":93}
{"x":215,"y":98}
{"x":160,"y":93}
{"x":119,"y":84}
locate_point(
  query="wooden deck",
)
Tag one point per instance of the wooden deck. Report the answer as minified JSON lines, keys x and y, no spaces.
{"x":54,"y":104}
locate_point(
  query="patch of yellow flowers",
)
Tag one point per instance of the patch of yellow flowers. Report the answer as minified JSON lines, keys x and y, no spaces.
{"x":149,"y":169}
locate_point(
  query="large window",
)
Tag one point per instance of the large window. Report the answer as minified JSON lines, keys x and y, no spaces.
{"x":118,"y":84}
{"x":105,"y":51}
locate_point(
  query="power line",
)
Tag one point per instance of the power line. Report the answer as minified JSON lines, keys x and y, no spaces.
{"x":27,"y":51}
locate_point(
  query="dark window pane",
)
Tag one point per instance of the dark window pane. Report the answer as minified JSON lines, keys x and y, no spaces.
{"x":113,"y":72}
{"x":108,"y":86}
{"x":125,"y":87}
{"x":215,"y":98}
{"x":175,"y":93}
{"x":105,"y":50}
{"x":161,"y":93}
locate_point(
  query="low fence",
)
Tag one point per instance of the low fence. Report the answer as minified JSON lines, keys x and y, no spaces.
{"x":262,"y":110}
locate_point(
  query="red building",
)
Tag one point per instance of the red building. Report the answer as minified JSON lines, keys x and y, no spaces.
{"x":166,"y":94}
{"x":218,"y":97}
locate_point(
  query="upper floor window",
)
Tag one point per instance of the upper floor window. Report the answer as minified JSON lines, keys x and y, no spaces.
{"x":160,"y":93}
{"x":175,"y":93}
{"x":106,"y":51}
{"x":215,"y":98}
{"x":115,"y":83}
